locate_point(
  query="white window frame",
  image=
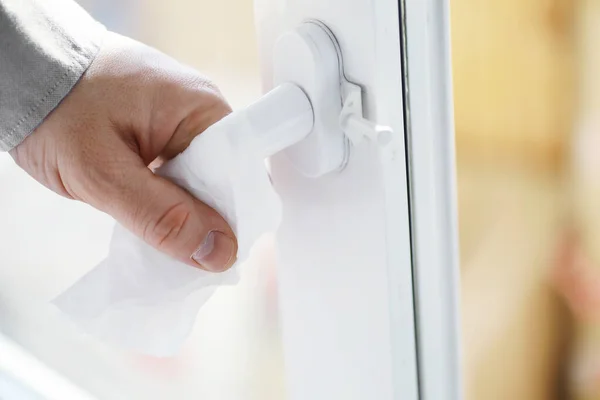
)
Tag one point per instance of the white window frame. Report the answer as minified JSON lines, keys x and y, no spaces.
{"x":434,"y":226}
{"x":401,"y":56}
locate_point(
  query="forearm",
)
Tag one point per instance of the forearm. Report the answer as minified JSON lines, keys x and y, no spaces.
{"x":45,"y":47}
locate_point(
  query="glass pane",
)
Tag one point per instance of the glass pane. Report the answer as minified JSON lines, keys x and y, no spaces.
{"x":234,"y":350}
{"x":528,"y":136}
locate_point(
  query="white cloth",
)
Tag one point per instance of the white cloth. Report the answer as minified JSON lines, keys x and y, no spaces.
{"x":142,"y":299}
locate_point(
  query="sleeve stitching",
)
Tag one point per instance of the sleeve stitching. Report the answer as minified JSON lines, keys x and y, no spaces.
{"x":42,"y":100}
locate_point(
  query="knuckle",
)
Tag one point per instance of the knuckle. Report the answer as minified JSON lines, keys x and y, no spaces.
{"x":209,"y":94}
{"x":203,"y":84}
{"x":164,"y":229}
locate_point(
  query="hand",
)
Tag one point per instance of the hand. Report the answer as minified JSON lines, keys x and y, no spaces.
{"x":134,"y":108}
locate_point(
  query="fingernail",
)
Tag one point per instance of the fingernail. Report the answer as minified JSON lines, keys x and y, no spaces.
{"x":217,"y":253}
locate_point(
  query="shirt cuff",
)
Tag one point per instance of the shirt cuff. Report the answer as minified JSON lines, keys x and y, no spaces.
{"x":45,"y":47}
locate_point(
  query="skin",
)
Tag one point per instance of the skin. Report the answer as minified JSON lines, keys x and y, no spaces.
{"x":133,"y":109}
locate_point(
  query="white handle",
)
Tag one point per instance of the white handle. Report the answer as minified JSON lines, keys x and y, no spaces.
{"x":279,"y":119}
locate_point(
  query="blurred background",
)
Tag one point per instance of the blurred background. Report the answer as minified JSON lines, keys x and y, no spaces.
{"x":527,"y":104}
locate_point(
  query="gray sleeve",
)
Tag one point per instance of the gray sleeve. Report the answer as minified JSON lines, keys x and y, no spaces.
{"x":45,"y":47}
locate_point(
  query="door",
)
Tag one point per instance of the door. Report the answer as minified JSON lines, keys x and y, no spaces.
{"x":367,"y":257}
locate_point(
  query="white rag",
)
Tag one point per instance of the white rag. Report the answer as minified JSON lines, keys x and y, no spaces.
{"x":143,"y":300}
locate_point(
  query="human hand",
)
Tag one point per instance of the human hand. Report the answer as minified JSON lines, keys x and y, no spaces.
{"x":133,"y":109}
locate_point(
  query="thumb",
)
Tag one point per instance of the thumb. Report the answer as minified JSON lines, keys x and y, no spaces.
{"x":170,"y":219}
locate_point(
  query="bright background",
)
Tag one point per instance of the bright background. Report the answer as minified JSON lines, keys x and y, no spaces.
{"x":48,"y":242}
